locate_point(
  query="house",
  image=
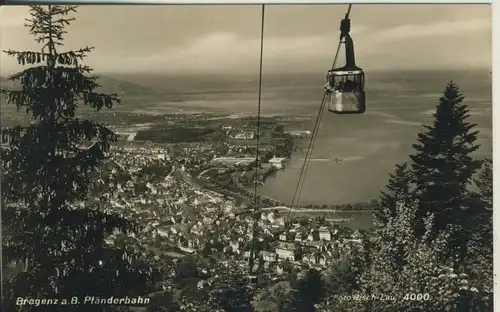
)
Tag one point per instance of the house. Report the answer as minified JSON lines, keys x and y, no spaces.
{"x":197,"y":230}
{"x":207,"y":220}
{"x":355,"y":238}
{"x":313,"y":235}
{"x":201,"y":284}
{"x":255,"y":267}
{"x":235,"y":246}
{"x":187,"y":249}
{"x":270,"y":217}
{"x":287,"y":251}
{"x":268,"y":256}
{"x":324,"y":233}
{"x":246,"y":255}
{"x":356,"y":235}
{"x":279,"y":221}
{"x":110,"y":240}
{"x":264,"y":215}
{"x":247,"y":135}
{"x":325,"y":246}
{"x":317,"y":258}
{"x":276,"y":230}
{"x":279,"y":269}
{"x":163,"y":231}
{"x":194,"y":242}
{"x":267,"y":231}
{"x":300,"y":237}
{"x":277,"y":163}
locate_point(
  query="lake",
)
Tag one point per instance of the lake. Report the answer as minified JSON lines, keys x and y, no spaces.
{"x":370,"y":144}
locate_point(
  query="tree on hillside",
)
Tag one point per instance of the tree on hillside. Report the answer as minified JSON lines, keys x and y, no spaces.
{"x":309,"y":291}
{"x":48,"y":171}
{"x":443,"y":167}
{"x":484,"y":205}
{"x":226,"y":290}
{"x":276,"y":298}
{"x":279,"y":129}
{"x":341,"y":278}
{"x":480,"y":255}
{"x":400,"y":262}
{"x":429,"y":239}
{"x":398,"y":188}
{"x":485,"y":185}
{"x":485,"y":182}
{"x":230,"y":290}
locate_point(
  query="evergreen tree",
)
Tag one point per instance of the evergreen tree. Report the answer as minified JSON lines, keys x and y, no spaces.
{"x":480,"y":255}
{"x":443,"y":167}
{"x":483,"y":205}
{"x":485,"y":183}
{"x":230,"y":290}
{"x":226,"y":290}
{"x":48,"y":172}
{"x":398,"y":188}
{"x":281,"y":297}
{"x":309,"y":291}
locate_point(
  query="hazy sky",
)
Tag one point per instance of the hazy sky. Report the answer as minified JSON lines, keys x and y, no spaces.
{"x":216,"y":39}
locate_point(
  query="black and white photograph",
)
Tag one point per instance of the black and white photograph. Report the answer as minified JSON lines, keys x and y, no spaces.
{"x":250,"y":157}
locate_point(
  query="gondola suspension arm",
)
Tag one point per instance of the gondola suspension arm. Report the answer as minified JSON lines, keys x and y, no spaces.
{"x":345,"y":24}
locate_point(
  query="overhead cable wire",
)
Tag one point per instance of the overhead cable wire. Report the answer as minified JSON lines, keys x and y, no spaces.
{"x":257,"y":158}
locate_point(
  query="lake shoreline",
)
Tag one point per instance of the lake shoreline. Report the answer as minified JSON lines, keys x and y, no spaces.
{"x":318,"y":210}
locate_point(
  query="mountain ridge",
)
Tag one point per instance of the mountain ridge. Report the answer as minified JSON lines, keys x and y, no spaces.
{"x":107,"y":85}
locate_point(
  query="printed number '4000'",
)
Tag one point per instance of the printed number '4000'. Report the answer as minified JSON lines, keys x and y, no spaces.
{"x":416,"y":297}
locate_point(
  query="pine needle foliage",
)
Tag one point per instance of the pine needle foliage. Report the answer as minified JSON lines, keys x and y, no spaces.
{"x":49,"y":168}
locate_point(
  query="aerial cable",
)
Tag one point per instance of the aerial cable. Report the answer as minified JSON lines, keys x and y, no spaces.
{"x":348,"y":11}
{"x":256,"y":184}
{"x":314,"y":134}
{"x":307,"y":159}
{"x":256,"y":181}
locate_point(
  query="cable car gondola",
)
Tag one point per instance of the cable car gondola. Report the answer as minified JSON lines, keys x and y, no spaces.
{"x":346,"y":85}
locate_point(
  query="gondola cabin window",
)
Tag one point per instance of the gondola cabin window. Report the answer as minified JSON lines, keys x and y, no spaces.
{"x":346,"y":81}
{"x":347,"y":95}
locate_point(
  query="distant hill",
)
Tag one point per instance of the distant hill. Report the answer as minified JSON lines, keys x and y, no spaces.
{"x":137,"y":96}
{"x":7,"y":84}
{"x":108,"y":85}
{"x":123,"y":88}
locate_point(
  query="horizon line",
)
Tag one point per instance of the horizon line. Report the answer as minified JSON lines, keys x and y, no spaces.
{"x":271,"y":73}
{"x":239,"y":73}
